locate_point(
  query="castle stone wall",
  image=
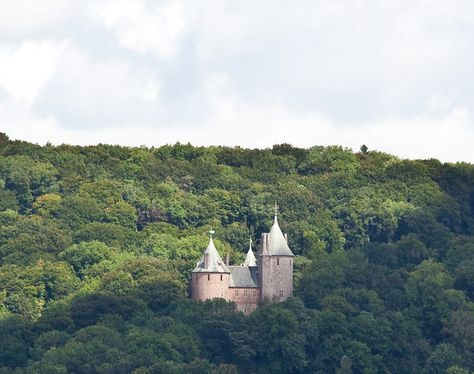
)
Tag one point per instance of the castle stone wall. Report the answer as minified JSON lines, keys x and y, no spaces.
{"x":282,"y":277}
{"x":210,"y":285}
{"x":273,"y":274}
{"x":265,"y":274}
{"x":246,"y":299}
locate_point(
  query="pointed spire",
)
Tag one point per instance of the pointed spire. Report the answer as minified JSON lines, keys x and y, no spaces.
{"x":211,"y":261}
{"x":250,"y":259}
{"x":278,"y":244}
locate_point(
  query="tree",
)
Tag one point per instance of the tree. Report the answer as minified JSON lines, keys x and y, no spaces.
{"x":15,"y":341}
{"x":84,"y":255}
{"x":460,"y":328}
{"x":47,"y":205}
{"x":160,"y":290}
{"x":426,"y":293}
{"x":28,"y":178}
{"x":443,"y":357}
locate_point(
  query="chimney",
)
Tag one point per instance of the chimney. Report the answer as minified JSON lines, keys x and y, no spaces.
{"x":227,"y":257}
{"x":263,"y":243}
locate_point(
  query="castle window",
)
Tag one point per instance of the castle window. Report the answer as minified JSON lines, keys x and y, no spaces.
{"x":208,"y":277}
{"x":278,"y":261}
{"x":236,"y":292}
{"x":254,"y":293}
{"x":281,"y":293}
{"x":245,"y":292}
{"x":221,"y":277}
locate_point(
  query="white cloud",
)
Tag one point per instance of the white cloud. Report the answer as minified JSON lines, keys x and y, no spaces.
{"x":234,"y":122}
{"x":24,"y":69}
{"x":448,"y":137}
{"x":396,"y":75}
{"x":141,"y":26}
{"x":94,"y":93}
{"x":30,"y":19}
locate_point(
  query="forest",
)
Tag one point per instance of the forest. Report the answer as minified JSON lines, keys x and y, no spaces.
{"x":97,"y":244}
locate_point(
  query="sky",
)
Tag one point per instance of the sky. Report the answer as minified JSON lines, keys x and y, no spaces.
{"x":396,"y":75}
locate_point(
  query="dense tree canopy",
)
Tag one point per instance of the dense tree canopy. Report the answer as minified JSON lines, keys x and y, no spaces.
{"x":97,"y":245}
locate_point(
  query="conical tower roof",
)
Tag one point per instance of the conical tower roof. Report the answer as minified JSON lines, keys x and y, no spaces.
{"x":277,"y":244}
{"x":210,"y":261}
{"x":250,"y":259}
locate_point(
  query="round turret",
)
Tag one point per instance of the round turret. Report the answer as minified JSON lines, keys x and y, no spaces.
{"x":210,"y":285}
{"x":210,"y":278}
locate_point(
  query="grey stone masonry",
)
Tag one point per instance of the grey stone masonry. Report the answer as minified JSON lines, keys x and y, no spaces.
{"x":268,"y":278}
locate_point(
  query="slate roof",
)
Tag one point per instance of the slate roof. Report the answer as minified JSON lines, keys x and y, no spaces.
{"x":243,"y":276}
{"x":277,"y":244}
{"x":215,"y":263}
{"x":250,"y":259}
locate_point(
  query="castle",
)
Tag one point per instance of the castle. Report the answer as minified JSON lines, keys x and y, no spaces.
{"x":269,"y":277}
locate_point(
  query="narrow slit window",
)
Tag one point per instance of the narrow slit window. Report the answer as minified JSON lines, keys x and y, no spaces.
{"x":221,"y":277}
{"x":278,"y":261}
{"x":208,"y":277}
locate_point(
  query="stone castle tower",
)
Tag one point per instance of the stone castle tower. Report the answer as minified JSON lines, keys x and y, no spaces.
{"x":267,"y":278}
{"x":275,"y":264}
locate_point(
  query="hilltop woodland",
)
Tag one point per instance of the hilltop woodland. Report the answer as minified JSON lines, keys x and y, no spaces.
{"x":97,"y":245}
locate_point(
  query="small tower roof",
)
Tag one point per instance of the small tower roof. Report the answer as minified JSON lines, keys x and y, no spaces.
{"x":250,"y":259}
{"x":214,"y":261}
{"x":277,"y":244}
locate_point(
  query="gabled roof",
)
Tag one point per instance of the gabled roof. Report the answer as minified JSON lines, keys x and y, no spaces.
{"x":243,"y":276}
{"x":214,"y":261}
{"x":277,"y":244}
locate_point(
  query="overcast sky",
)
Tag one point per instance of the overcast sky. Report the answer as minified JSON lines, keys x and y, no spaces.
{"x":397,"y":75}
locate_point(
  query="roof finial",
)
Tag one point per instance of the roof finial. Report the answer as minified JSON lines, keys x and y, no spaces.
{"x":250,"y":259}
{"x":276,"y":211}
{"x":211,"y":232}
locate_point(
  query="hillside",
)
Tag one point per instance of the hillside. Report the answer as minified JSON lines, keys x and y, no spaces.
{"x":97,"y":244}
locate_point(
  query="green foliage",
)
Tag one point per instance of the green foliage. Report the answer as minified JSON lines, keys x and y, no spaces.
{"x":329,"y":160}
{"x":28,"y":178}
{"x":97,"y":245}
{"x":84,"y":255}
